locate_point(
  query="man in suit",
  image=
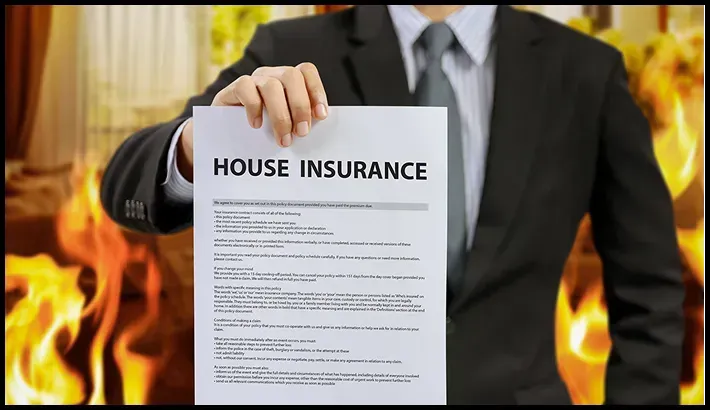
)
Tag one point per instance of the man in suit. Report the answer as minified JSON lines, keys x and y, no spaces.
{"x":543,"y":130}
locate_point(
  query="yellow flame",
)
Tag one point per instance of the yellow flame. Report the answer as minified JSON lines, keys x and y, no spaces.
{"x":582,"y":337}
{"x":45,"y":322}
{"x":50,"y":311}
{"x":676,"y":150}
{"x":692,"y":242}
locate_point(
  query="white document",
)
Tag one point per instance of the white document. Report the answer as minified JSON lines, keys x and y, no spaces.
{"x":320,"y":269}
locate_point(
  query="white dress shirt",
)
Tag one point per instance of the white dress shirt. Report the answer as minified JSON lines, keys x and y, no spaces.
{"x":470,"y":69}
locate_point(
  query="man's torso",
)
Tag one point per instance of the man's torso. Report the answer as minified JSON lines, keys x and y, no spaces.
{"x":539,"y":173}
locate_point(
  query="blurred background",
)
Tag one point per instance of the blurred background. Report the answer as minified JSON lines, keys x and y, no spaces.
{"x":97,"y":315}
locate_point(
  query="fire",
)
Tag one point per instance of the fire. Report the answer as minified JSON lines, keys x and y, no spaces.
{"x":582,"y":337}
{"x":677,"y":149}
{"x":692,"y":242}
{"x":583,"y":345}
{"x":48,"y":313}
{"x":52,"y":310}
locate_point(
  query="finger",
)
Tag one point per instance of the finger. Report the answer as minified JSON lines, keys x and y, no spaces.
{"x":298,"y":102}
{"x":266,"y":71}
{"x":227,"y":95}
{"x":243,"y":91}
{"x":316,"y":91}
{"x":274,"y":99}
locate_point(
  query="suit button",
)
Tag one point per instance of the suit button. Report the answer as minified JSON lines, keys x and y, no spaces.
{"x":450,"y":326}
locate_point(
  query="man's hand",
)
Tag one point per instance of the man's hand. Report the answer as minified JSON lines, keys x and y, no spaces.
{"x":291,"y":96}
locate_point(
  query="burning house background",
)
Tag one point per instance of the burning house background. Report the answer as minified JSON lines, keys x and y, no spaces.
{"x":97,"y":315}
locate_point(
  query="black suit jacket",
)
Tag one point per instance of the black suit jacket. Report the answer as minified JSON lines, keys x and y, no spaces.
{"x":566,"y":139}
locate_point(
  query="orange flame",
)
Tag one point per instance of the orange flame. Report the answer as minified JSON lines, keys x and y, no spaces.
{"x":676,"y":149}
{"x":583,"y":345}
{"x":45,"y":323}
{"x":692,"y":243}
{"x":583,"y":342}
{"x":52,"y":310}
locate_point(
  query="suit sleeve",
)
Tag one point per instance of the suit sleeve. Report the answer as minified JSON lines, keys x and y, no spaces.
{"x":138,"y":168}
{"x":635,"y":235}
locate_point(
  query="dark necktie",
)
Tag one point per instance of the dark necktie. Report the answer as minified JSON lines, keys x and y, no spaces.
{"x":434,"y":89}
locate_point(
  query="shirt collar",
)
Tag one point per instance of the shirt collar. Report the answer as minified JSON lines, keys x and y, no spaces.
{"x":473,"y":27}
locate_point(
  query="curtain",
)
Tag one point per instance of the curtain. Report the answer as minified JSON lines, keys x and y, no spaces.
{"x":59,"y":120}
{"x":285,"y":12}
{"x":114,"y":70}
{"x":40,"y":182}
{"x":561,"y":13}
{"x":601,"y":16}
{"x":329,"y":8}
{"x":26,"y":39}
{"x":142,"y":63}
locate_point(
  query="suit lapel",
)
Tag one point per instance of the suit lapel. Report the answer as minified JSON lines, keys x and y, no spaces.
{"x":375,"y":59}
{"x":518,"y":111}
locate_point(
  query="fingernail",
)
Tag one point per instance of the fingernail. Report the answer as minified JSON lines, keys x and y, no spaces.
{"x":302,"y":128}
{"x":257,"y":122}
{"x":321,"y":111}
{"x":286,"y":140}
